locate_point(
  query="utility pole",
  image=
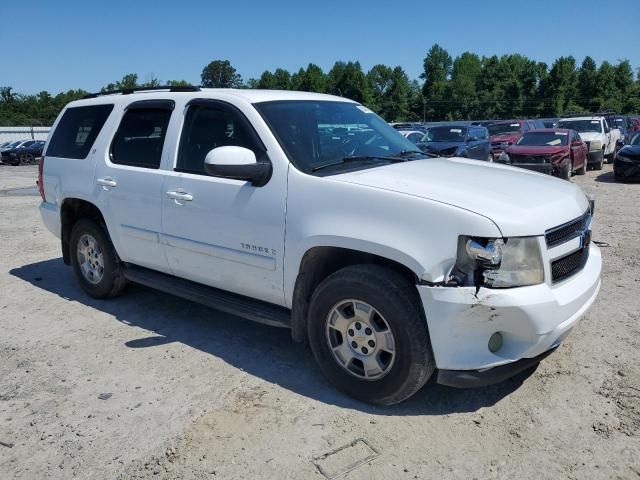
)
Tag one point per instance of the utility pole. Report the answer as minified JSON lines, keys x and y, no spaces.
{"x":424,"y":110}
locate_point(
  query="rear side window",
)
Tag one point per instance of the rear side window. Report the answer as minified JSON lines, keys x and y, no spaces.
{"x":140,"y":137}
{"x":77,"y":130}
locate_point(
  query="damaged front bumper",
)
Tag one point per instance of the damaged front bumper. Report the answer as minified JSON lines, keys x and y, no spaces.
{"x":531,"y":321}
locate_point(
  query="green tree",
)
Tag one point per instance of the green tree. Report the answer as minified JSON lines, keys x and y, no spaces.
{"x":348,"y":80}
{"x":588,"y":84}
{"x":608,"y":95}
{"x":437,"y":69}
{"x":561,"y":89}
{"x":313,"y":79}
{"x":220,"y":74}
{"x":463,"y":86}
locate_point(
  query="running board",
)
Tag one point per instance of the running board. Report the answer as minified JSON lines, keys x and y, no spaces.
{"x":249,"y":308}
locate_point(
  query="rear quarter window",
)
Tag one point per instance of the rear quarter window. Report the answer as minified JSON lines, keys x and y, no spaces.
{"x":77,"y":130}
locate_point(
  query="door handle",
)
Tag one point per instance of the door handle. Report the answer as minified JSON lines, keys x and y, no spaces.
{"x":182,"y":196}
{"x":106,"y":182}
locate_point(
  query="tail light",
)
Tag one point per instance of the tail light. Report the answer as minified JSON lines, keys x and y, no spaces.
{"x":40,"y":183}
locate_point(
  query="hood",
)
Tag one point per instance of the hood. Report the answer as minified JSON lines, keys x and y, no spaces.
{"x":511,"y":137}
{"x":590,"y":136}
{"x":440,"y":146}
{"x":630,"y":151}
{"x":537,"y":149}
{"x":520,"y":202}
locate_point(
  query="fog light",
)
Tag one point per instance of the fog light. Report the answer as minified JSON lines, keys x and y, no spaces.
{"x":495,"y":342}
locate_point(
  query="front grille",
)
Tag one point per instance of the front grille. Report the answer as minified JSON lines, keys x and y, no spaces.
{"x":568,"y":231}
{"x":529,"y":159}
{"x":565,"y":267}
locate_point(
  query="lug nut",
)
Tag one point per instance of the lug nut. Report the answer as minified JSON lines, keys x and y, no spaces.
{"x":350,"y":332}
{"x":358,"y":326}
{"x":372,"y":343}
{"x":368,"y":331}
{"x":354,"y":344}
{"x":364,"y":350}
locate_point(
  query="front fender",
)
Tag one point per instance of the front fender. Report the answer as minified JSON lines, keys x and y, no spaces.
{"x":415,"y":232}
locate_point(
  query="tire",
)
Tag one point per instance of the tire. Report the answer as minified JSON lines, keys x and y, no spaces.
{"x":598,"y":166}
{"x":107,"y":279}
{"x":490,"y":158}
{"x":394,"y":307}
{"x":583,"y":169}
{"x":564,"y":172}
{"x":26,"y":159}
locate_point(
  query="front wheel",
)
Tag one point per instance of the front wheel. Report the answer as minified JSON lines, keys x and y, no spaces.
{"x":564,"y":171}
{"x":369,"y":335}
{"x":95,"y":261}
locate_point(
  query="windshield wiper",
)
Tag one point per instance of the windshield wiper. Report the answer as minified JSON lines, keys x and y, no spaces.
{"x":358,"y":158}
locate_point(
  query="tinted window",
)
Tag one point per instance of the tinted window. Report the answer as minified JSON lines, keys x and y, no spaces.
{"x":544,"y":138}
{"x":77,"y":130}
{"x":504,"y":128}
{"x":446,"y":134}
{"x":206,"y":128}
{"x":140,"y":137}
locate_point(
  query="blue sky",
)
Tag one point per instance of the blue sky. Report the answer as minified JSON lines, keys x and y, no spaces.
{"x":59,"y":45}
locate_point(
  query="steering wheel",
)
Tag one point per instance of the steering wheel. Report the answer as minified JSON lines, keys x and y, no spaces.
{"x":350,"y":146}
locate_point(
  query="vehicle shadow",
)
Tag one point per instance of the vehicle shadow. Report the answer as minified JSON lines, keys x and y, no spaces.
{"x":266,"y":352}
{"x":606,"y":177}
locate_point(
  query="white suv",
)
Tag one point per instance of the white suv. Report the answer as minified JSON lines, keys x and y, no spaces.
{"x":310,"y":212}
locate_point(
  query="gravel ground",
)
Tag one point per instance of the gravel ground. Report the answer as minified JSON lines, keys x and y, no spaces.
{"x":150,"y":386}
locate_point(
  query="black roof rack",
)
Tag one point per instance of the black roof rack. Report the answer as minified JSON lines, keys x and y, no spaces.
{"x":129,"y":91}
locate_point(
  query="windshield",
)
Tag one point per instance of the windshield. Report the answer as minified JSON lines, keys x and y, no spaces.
{"x":315,"y":133}
{"x":504,"y":128}
{"x":13,"y":144}
{"x":551,"y":139}
{"x":445,"y":134}
{"x":636,"y":140}
{"x":581,"y":125}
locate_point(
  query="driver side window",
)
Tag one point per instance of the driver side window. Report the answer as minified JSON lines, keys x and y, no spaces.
{"x":206,"y":128}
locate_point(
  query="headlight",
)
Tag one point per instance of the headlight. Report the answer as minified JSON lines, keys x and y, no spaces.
{"x":499,"y":262}
{"x":595,"y":145}
{"x":504,"y":158}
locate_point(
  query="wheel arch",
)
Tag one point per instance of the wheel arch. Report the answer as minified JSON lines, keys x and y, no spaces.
{"x":73,"y":209}
{"x":317,"y":263}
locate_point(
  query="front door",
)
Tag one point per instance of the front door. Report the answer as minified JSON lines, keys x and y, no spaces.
{"x":220,"y":232}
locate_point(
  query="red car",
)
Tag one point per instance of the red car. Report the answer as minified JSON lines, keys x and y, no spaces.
{"x":507,"y":132}
{"x":555,"y":151}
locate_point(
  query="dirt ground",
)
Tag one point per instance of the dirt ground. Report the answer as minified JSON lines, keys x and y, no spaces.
{"x":150,"y":386}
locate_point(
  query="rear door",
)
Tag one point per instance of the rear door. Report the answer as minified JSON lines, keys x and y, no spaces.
{"x":128,"y":182}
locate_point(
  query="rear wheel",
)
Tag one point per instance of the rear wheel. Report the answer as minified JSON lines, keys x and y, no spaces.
{"x":95,"y":261}
{"x":26,"y":159}
{"x":369,"y":335}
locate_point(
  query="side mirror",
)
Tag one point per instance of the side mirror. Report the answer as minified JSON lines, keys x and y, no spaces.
{"x":237,"y":163}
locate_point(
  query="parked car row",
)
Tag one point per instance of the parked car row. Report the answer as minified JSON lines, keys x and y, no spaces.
{"x":556,"y":146}
{"x":21,"y":152}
